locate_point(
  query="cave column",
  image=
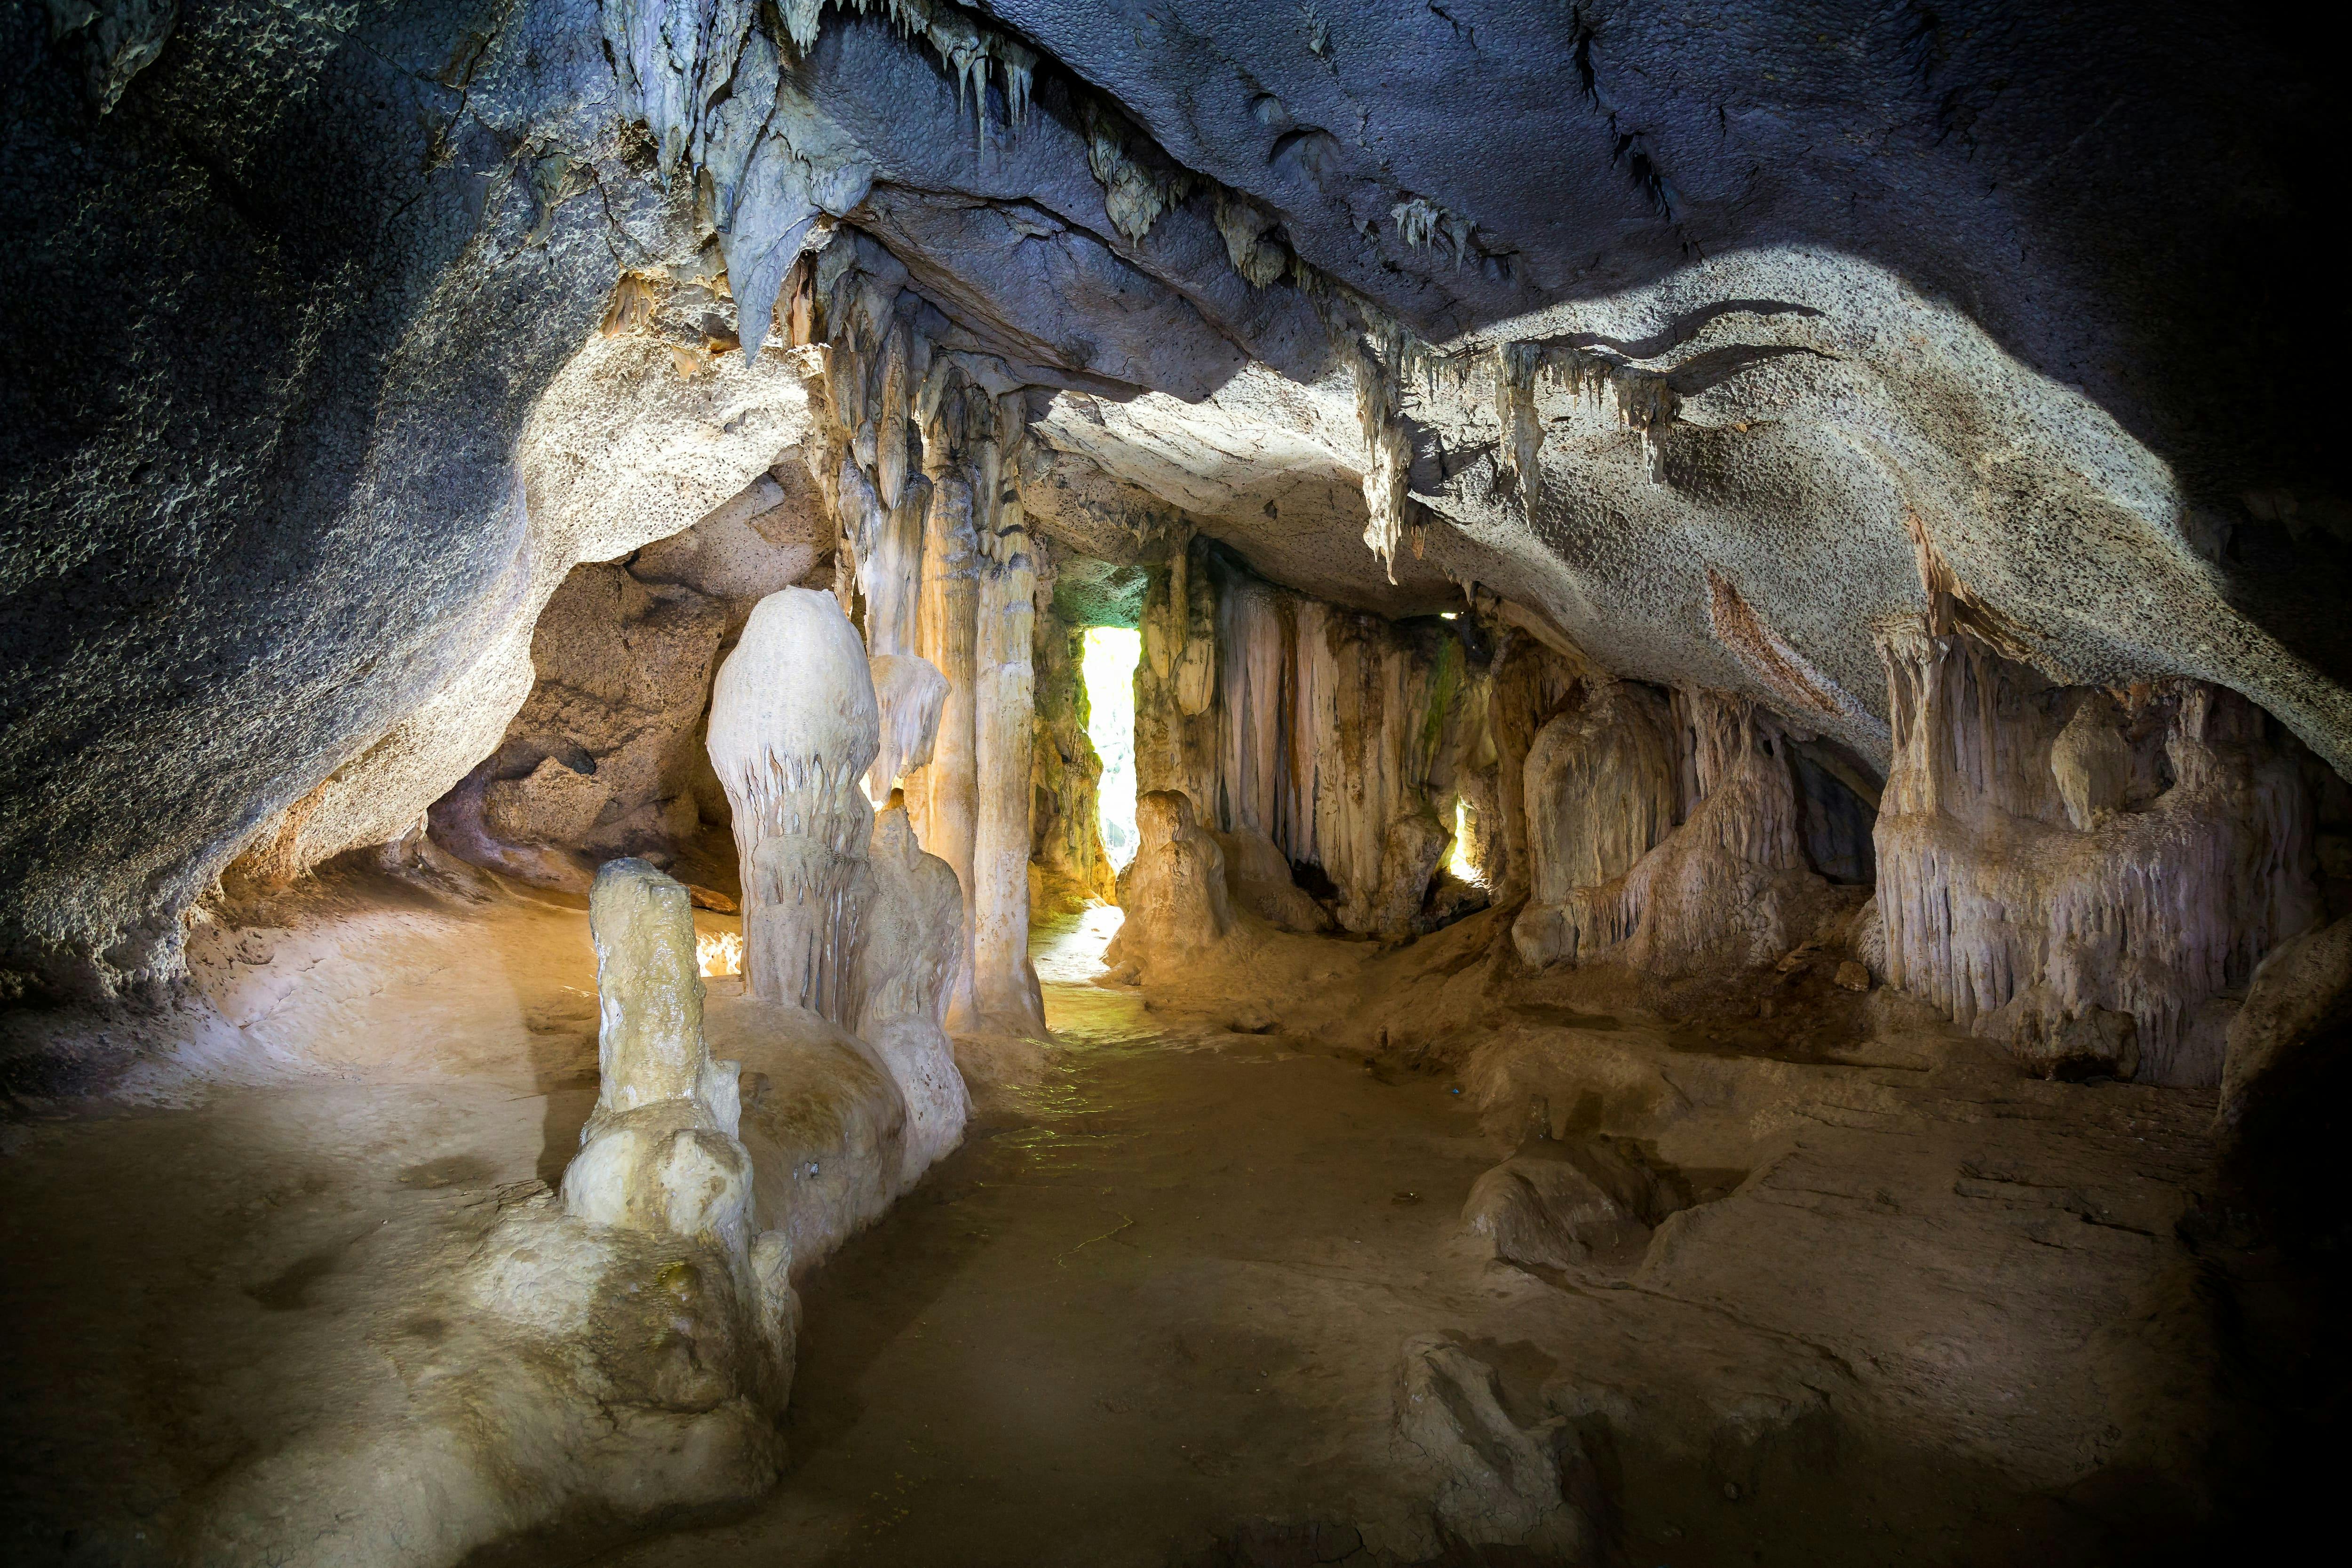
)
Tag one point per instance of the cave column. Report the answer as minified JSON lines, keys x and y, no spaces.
{"x":1004,"y":711}
{"x":942,"y":797}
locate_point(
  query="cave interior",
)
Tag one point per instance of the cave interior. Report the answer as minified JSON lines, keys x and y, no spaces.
{"x":884,"y":781}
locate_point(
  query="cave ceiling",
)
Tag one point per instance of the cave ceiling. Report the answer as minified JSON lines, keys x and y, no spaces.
{"x":1809,"y":305}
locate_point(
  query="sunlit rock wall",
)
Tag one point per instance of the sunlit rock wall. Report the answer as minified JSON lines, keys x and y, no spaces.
{"x":1069,"y":865}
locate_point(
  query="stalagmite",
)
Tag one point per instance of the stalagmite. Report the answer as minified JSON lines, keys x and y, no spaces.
{"x":1177,"y":904}
{"x":1388,"y":454}
{"x":794,"y":727}
{"x":659,"y":1153}
{"x":1516,"y":365}
{"x":914,"y":944}
{"x":1003,"y":689}
{"x":2076,"y":876}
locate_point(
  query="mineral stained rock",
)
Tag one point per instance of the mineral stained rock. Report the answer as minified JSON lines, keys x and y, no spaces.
{"x":1174,"y":892}
{"x":913,"y":944}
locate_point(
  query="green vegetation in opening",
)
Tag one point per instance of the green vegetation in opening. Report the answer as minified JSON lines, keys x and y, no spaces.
{"x":1107,"y":668}
{"x":1457,"y":859}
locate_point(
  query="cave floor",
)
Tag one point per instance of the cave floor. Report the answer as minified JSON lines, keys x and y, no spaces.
{"x":1152,"y":1297}
{"x":1151,"y":1312}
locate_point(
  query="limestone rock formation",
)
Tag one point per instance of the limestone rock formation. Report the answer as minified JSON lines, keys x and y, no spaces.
{"x":1343,"y":739}
{"x":1561,"y":1205}
{"x":2282,"y":1086}
{"x":2075,"y":875}
{"x":1259,"y":879}
{"x":659,"y":1153}
{"x":913,"y":943}
{"x":1493,"y":1482}
{"x":1727,"y":889}
{"x":1174,"y":892}
{"x":793,"y":729}
{"x":1599,"y":784}
{"x":1004,"y":985}
{"x":602,"y":758}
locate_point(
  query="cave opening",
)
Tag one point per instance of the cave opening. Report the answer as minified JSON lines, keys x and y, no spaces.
{"x":1108,"y":670}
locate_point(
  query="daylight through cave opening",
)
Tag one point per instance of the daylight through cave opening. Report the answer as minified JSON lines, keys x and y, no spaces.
{"x":1108,"y":670}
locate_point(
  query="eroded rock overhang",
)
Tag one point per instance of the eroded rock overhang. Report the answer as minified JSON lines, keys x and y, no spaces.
{"x":1710,"y":348}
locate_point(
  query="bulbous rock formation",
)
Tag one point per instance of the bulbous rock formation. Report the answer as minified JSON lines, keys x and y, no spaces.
{"x":793,"y":729}
{"x":1174,"y":890}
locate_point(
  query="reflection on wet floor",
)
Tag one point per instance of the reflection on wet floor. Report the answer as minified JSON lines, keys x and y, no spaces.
{"x":1070,"y":952}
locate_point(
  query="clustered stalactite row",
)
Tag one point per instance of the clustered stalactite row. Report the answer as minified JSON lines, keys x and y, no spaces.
{"x":1307,"y":735}
{"x":708,"y":78}
{"x":934,"y":558}
{"x":1665,"y":833}
{"x":2088,"y":876}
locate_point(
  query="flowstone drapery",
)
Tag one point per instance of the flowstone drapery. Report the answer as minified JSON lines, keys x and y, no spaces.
{"x":2082,"y":877}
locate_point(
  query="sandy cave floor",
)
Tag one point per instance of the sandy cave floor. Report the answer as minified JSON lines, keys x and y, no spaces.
{"x":1150,"y":1311}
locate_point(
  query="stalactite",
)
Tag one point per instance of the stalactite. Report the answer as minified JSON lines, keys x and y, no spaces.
{"x":2075,"y":876}
{"x":1420,"y":222}
{"x":1135,"y":191}
{"x":1337,"y":737}
{"x":890,"y":437}
{"x":1261,"y":261}
{"x":1516,"y":365}
{"x":794,"y":727}
{"x":1378,"y":376}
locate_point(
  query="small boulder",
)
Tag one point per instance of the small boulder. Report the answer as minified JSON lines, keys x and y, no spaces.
{"x":1561,"y":1210}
